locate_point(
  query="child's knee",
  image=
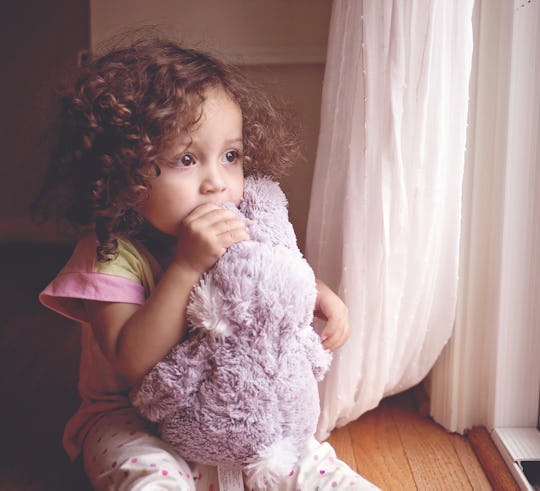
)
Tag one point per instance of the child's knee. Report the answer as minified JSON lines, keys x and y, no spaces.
{"x":149,"y":472}
{"x":321,"y":469}
{"x":121,"y":453}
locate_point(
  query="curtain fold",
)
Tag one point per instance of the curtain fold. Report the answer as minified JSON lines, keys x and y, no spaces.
{"x":384,"y":219}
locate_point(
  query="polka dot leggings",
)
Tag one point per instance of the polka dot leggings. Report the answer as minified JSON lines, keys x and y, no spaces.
{"x":121,"y":452}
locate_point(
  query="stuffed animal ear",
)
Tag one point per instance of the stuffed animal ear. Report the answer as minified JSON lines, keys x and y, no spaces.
{"x":262,"y":195}
{"x":265,"y":206}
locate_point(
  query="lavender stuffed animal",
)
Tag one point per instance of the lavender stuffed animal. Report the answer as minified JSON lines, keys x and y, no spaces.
{"x":241,"y":390}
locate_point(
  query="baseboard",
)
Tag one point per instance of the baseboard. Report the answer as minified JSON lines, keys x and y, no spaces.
{"x":491,"y":460}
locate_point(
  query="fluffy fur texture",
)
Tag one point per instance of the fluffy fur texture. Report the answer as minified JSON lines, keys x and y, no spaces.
{"x":241,"y":391}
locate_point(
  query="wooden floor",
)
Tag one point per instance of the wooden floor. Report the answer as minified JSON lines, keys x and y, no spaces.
{"x":396,"y":448}
{"x":393,"y":446}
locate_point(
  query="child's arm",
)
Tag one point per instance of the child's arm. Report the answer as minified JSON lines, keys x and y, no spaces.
{"x":134,"y":338}
{"x":330,"y":308}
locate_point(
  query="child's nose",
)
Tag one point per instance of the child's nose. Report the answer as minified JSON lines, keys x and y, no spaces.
{"x":213,"y":180}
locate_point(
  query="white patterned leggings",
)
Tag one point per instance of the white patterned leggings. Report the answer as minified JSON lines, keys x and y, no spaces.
{"x":121,"y":452}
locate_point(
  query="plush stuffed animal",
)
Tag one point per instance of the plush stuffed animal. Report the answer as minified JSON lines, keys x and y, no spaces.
{"x":241,"y":390}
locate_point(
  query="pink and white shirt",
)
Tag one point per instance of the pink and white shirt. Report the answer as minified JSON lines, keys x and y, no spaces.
{"x":130,"y":278}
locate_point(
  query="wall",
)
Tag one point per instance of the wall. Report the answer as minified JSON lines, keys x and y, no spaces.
{"x":39,"y":41}
{"x":280,"y":43}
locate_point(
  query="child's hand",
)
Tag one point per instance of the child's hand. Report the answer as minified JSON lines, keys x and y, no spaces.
{"x":205,"y":235}
{"x":330,"y":308}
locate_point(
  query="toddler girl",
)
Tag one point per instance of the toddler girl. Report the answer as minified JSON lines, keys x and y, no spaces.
{"x":152,"y":139}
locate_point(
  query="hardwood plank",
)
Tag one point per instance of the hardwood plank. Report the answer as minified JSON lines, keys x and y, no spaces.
{"x":491,"y":460}
{"x":340,"y":439}
{"x":433,"y":460}
{"x":470,"y":463}
{"x":379,"y":452}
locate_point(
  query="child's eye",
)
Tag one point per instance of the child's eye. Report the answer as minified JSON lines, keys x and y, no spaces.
{"x":186,"y":160}
{"x":231,"y":156}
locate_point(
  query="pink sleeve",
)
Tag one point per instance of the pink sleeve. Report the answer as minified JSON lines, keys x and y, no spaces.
{"x":78,"y":281}
{"x":67,"y":292}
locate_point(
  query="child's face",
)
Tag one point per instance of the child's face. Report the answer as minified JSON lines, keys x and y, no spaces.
{"x":205,"y":166}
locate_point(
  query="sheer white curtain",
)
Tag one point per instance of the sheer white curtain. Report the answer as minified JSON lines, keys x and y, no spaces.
{"x":384,"y":218}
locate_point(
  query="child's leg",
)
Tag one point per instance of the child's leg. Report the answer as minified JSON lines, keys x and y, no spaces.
{"x":320,"y":469}
{"x":122,"y":453}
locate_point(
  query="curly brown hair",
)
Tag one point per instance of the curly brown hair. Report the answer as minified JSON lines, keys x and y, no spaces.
{"x":124,"y":110}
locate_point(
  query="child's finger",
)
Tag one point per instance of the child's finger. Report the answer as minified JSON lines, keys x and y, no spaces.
{"x":332,"y":343}
{"x":208,"y":213}
{"x":207,"y":232}
{"x":335,"y":333}
{"x":227,"y":228}
{"x":233,"y":236}
{"x":212,"y":221}
{"x":333,"y":340}
{"x":328,"y":338}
